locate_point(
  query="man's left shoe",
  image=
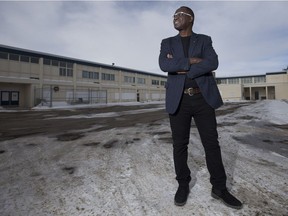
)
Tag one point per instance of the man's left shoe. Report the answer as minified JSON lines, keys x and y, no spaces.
{"x":227,"y":198}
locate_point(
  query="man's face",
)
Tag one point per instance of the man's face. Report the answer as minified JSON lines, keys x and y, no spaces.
{"x":182,"y":19}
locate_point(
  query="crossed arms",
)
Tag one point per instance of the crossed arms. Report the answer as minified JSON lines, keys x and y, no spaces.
{"x":204,"y":60}
{"x":193,"y":60}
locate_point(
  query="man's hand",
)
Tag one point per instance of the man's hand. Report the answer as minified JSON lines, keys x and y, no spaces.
{"x":169,"y":56}
{"x":179,"y":72}
{"x":195,"y":60}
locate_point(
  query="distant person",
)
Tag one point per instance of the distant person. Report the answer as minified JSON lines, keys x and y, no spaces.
{"x":191,"y":92}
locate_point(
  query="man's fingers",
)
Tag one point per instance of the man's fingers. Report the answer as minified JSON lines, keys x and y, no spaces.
{"x":169,"y":56}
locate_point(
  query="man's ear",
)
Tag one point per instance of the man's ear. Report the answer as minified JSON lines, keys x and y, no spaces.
{"x":191,"y":19}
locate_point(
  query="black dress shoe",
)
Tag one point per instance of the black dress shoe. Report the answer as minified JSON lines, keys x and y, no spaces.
{"x":227,"y":198}
{"x":181,"y":195}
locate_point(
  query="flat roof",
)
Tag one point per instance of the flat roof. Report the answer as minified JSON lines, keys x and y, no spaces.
{"x":21,"y":51}
{"x":247,"y":76}
{"x":276,"y":73}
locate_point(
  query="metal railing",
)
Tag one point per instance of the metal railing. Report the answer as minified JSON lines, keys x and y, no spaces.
{"x":52,"y":95}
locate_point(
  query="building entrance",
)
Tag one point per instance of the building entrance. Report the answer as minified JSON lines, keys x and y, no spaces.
{"x":9,"y":98}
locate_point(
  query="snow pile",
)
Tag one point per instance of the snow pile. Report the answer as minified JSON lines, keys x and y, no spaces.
{"x":273,"y":111}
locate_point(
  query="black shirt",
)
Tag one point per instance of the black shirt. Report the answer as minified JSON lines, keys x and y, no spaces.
{"x":186,"y":43}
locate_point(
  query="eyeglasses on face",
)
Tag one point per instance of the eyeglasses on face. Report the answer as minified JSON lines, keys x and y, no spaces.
{"x":181,"y":14}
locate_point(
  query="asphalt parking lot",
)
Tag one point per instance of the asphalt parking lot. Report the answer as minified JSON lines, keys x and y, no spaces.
{"x":117,"y":160}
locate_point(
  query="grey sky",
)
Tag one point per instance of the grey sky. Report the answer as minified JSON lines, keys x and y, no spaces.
{"x":250,"y":37}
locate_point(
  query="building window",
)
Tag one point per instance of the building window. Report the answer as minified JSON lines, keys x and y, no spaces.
{"x":246,"y":80}
{"x":69,"y":72}
{"x":24,"y":58}
{"x":3,"y":55}
{"x":155,"y":82}
{"x":163,"y":83}
{"x":85,"y":74}
{"x":110,"y":77}
{"x":55,"y":63}
{"x":260,"y":79}
{"x":46,"y":61}
{"x":233,"y":81}
{"x":69,"y":65}
{"x":62,"y":71}
{"x":65,"y":72}
{"x":141,"y":81}
{"x":128,"y":79}
{"x":93,"y":75}
{"x":63,"y":64}
{"x":90,"y":74}
{"x":14,"y":57}
{"x":221,"y":81}
{"x":34,"y":60}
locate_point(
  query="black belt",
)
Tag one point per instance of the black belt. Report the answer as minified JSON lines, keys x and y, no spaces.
{"x":192,"y":91}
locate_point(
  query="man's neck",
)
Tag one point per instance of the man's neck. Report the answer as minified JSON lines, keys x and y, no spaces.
{"x":185,"y":33}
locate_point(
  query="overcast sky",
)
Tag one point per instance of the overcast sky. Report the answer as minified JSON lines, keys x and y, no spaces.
{"x":250,"y":37}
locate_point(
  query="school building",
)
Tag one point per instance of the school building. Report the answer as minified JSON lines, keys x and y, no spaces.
{"x":268,"y":86}
{"x":30,"y":78}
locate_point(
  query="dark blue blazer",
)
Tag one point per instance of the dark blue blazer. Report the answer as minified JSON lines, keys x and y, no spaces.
{"x":201,"y":47}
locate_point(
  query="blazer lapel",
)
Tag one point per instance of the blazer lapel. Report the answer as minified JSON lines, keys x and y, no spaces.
{"x":177,"y":46}
{"x":193,"y":42}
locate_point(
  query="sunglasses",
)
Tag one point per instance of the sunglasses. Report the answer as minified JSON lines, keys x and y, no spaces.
{"x":181,"y":14}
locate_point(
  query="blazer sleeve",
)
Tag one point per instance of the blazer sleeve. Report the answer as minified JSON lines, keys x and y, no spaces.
{"x":209,"y":59}
{"x":171,"y":65}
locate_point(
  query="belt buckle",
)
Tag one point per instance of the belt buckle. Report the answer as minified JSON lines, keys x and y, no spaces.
{"x":190,"y":91}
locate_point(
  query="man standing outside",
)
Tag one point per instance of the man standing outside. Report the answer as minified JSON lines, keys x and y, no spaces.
{"x":191,"y":92}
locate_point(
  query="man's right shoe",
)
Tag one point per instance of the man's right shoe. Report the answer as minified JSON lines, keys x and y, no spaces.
{"x":181,"y":195}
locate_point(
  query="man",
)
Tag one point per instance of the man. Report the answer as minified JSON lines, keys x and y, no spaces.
{"x":191,"y":92}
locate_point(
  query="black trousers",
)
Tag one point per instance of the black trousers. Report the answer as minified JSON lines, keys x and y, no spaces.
{"x":204,"y":116}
